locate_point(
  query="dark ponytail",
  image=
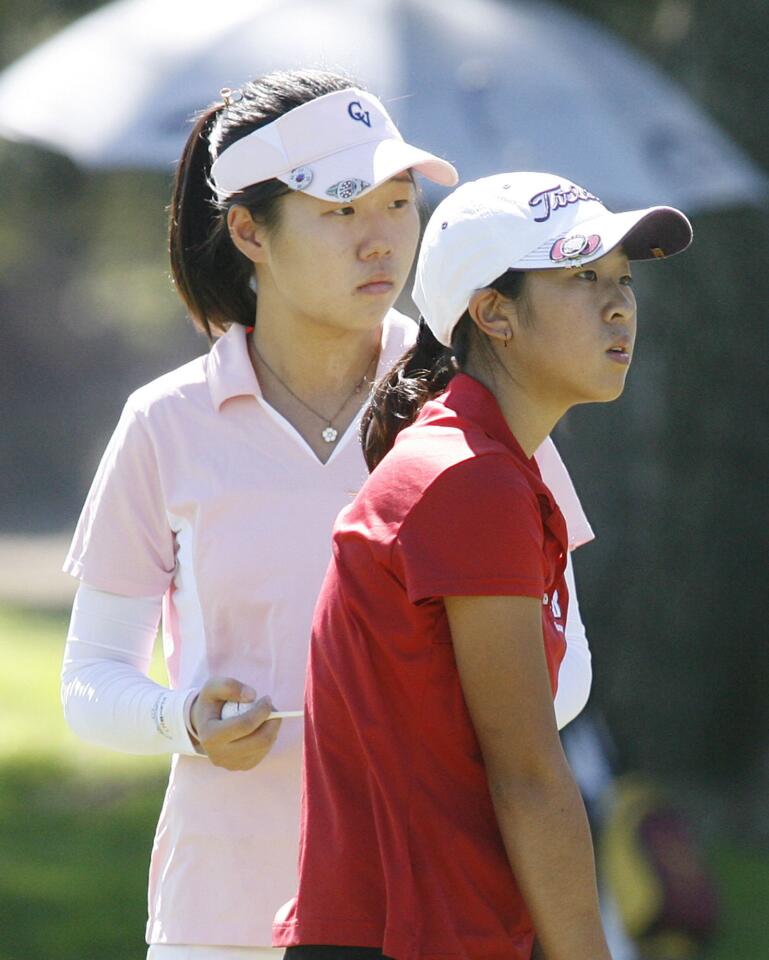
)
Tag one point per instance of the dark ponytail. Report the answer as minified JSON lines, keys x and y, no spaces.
{"x":212,"y":276}
{"x":422,"y":373}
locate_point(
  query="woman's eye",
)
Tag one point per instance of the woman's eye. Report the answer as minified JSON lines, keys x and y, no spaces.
{"x":587,"y":275}
{"x":627,"y":280}
{"x":399,"y":204}
{"x":343,"y":211}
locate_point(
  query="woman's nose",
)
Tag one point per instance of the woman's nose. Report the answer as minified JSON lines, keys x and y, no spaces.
{"x":376,"y":247}
{"x":621,"y":304}
{"x":377,"y":240}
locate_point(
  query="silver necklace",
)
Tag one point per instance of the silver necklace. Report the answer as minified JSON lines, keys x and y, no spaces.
{"x":329,"y":433}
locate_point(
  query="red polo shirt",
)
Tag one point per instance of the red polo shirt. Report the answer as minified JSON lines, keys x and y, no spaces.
{"x":400,"y":847}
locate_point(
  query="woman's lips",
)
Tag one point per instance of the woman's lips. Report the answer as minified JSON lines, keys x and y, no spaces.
{"x":618,"y":355}
{"x":377,"y":284}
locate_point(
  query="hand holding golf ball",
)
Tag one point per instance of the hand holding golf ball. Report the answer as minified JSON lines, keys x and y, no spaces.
{"x":246,"y":734}
{"x":233,"y":708}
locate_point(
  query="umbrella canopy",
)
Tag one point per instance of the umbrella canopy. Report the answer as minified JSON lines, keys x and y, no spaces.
{"x":489,"y":85}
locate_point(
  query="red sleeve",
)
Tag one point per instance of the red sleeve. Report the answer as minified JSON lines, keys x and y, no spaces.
{"x":475,"y":531}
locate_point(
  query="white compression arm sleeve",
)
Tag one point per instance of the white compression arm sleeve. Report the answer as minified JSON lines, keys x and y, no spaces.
{"x":108,"y":698}
{"x":576,"y":673}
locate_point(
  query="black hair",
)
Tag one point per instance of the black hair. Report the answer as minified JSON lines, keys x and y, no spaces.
{"x":422,"y":372}
{"x":211,"y":275}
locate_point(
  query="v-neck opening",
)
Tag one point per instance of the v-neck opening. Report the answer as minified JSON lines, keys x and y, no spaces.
{"x":231,"y":374}
{"x":384,"y":361}
{"x":285,"y":424}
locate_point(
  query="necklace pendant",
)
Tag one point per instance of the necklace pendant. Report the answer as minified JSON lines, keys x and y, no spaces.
{"x":330,"y":434}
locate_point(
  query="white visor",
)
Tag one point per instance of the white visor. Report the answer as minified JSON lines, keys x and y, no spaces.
{"x":336,"y":147}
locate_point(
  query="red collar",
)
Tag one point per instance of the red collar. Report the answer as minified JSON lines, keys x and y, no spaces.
{"x":466,"y":399}
{"x":470,"y":400}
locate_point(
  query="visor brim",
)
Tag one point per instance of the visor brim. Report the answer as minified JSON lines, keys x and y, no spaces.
{"x":372,"y":164}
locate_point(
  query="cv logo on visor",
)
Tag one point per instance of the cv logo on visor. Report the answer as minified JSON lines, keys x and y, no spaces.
{"x":357,"y":112}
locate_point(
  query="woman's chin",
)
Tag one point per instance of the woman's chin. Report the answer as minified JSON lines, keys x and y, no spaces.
{"x":602,"y":393}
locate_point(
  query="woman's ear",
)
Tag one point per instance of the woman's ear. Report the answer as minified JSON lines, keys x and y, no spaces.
{"x":247,"y":234}
{"x":493,"y":314}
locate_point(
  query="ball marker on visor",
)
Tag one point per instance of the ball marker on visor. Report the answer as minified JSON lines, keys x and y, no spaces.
{"x":347,"y":189}
{"x":574,"y":247}
{"x":336,"y":148}
{"x":300,"y":178}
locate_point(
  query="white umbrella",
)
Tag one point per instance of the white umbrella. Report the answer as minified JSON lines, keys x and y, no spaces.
{"x":490,"y":85}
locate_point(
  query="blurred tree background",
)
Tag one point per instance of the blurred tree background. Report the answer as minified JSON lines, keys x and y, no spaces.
{"x":674,"y":475}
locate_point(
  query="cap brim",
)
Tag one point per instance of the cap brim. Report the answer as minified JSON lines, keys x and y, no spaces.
{"x":651,"y":234}
{"x":366,"y":166}
{"x":655,"y":233}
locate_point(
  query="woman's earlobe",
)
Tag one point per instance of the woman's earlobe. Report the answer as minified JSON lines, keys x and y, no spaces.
{"x":490,"y":312}
{"x":246,"y":233}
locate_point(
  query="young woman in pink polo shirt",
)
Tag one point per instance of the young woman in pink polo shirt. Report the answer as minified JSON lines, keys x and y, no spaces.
{"x":293,"y":229}
{"x":440,"y":819}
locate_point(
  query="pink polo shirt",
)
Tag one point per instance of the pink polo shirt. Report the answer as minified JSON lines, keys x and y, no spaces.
{"x":207,"y":495}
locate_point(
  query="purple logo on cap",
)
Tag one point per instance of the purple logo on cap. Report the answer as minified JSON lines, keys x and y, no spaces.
{"x":574,"y":247}
{"x":558,"y":196}
{"x":357,"y":112}
{"x":300,"y":178}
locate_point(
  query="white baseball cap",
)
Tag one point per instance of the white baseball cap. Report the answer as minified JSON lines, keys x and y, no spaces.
{"x":526,"y":221}
{"x":336,"y":147}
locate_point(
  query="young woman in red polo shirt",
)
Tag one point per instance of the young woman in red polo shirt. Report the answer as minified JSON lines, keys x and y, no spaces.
{"x":440,"y":818}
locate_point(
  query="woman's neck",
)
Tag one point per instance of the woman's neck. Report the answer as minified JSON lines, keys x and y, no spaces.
{"x":531,"y":417}
{"x":316,"y":359}
{"x":315,"y":375}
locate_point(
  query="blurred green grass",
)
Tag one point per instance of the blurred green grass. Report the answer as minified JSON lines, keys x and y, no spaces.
{"x":31,"y":721}
{"x":76,"y":825}
{"x":76,"y":822}
{"x":75,"y":852}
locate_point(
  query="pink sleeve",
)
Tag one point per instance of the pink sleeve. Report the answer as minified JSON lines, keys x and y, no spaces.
{"x":556,"y":478}
{"x":123,"y":543}
{"x":476,"y":531}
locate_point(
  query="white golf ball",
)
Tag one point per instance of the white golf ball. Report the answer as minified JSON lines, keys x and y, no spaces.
{"x":233,"y":709}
